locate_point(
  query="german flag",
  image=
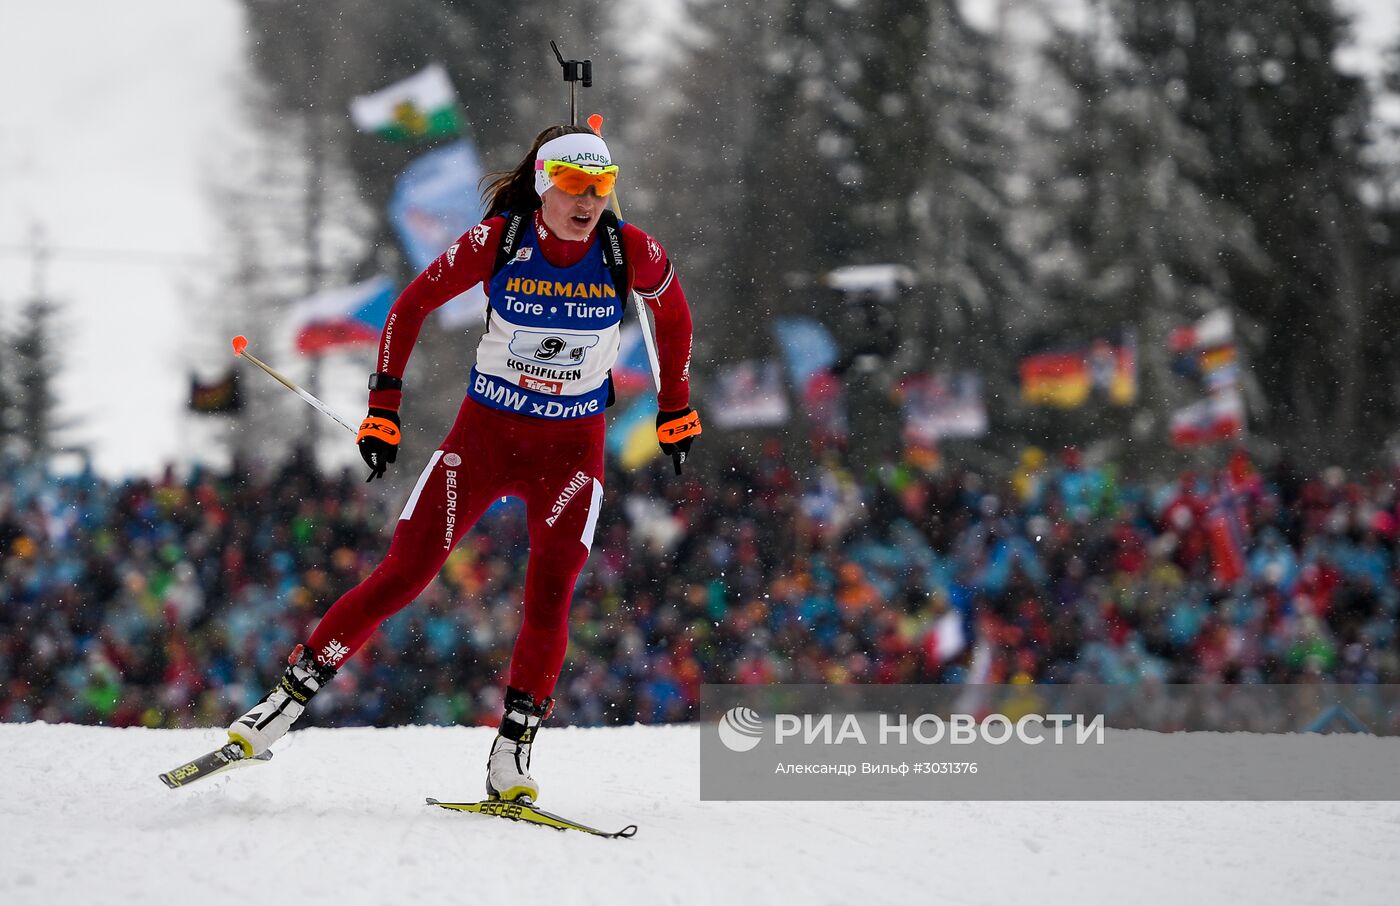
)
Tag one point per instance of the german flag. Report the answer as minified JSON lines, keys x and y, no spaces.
{"x":1103,"y":371}
{"x":1059,"y":379}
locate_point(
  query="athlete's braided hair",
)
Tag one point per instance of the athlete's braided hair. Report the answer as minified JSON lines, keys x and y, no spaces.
{"x":513,"y":191}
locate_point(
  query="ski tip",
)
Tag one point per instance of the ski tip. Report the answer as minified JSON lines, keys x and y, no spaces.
{"x":240,"y":343}
{"x":595,"y":122}
{"x":432,"y":801}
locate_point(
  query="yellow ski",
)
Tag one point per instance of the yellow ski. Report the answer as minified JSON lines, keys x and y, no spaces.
{"x":530,"y":814}
{"x":216,"y":762}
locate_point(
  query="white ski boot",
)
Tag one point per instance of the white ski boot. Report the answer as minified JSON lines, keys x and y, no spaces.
{"x":508,"y":767}
{"x":272,"y":717}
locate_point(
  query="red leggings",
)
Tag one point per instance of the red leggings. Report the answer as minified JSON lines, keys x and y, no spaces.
{"x":556,"y":467}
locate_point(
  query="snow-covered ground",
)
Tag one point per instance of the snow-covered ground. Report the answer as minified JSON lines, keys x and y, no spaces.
{"x":338,"y":818}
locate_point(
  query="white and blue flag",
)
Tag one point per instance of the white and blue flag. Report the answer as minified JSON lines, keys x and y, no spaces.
{"x":435,"y":201}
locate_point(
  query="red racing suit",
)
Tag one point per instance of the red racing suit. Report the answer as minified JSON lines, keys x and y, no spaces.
{"x":554,"y":464}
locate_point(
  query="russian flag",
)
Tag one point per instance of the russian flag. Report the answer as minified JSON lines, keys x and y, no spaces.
{"x":631,"y":373}
{"x":339,"y":318}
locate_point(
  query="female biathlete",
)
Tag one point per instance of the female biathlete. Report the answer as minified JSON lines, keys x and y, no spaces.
{"x":531,"y":424}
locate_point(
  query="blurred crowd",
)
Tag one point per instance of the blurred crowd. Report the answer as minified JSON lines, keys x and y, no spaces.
{"x":175,"y":602}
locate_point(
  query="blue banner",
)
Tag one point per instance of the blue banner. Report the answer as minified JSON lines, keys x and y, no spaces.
{"x":807,"y":346}
{"x":435,"y":201}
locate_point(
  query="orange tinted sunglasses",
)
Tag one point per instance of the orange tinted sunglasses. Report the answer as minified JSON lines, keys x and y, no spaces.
{"x":576,"y":179}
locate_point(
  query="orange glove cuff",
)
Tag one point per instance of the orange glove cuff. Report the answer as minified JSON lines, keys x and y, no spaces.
{"x":679,"y":428}
{"x":381,"y":428}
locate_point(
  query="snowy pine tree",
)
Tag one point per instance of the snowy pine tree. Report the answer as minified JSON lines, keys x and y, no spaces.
{"x":1283,"y":129}
{"x":34,"y":419}
{"x":1118,"y":218}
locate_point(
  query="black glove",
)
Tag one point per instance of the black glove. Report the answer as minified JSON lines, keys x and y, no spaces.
{"x":675,"y":431}
{"x":378,"y":441}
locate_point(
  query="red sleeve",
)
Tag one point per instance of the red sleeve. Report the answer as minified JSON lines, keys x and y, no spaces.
{"x":654,"y":281}
{"x":467,"y":262}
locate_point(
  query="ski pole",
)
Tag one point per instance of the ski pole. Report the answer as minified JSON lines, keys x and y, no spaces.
{"x":240,"y":348}
{"x":582,"y":71}
{"x":576,"y":71}
{"x":595,"y":122}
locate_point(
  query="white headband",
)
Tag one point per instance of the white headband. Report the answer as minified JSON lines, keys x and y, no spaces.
{"x":575,"y":148}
